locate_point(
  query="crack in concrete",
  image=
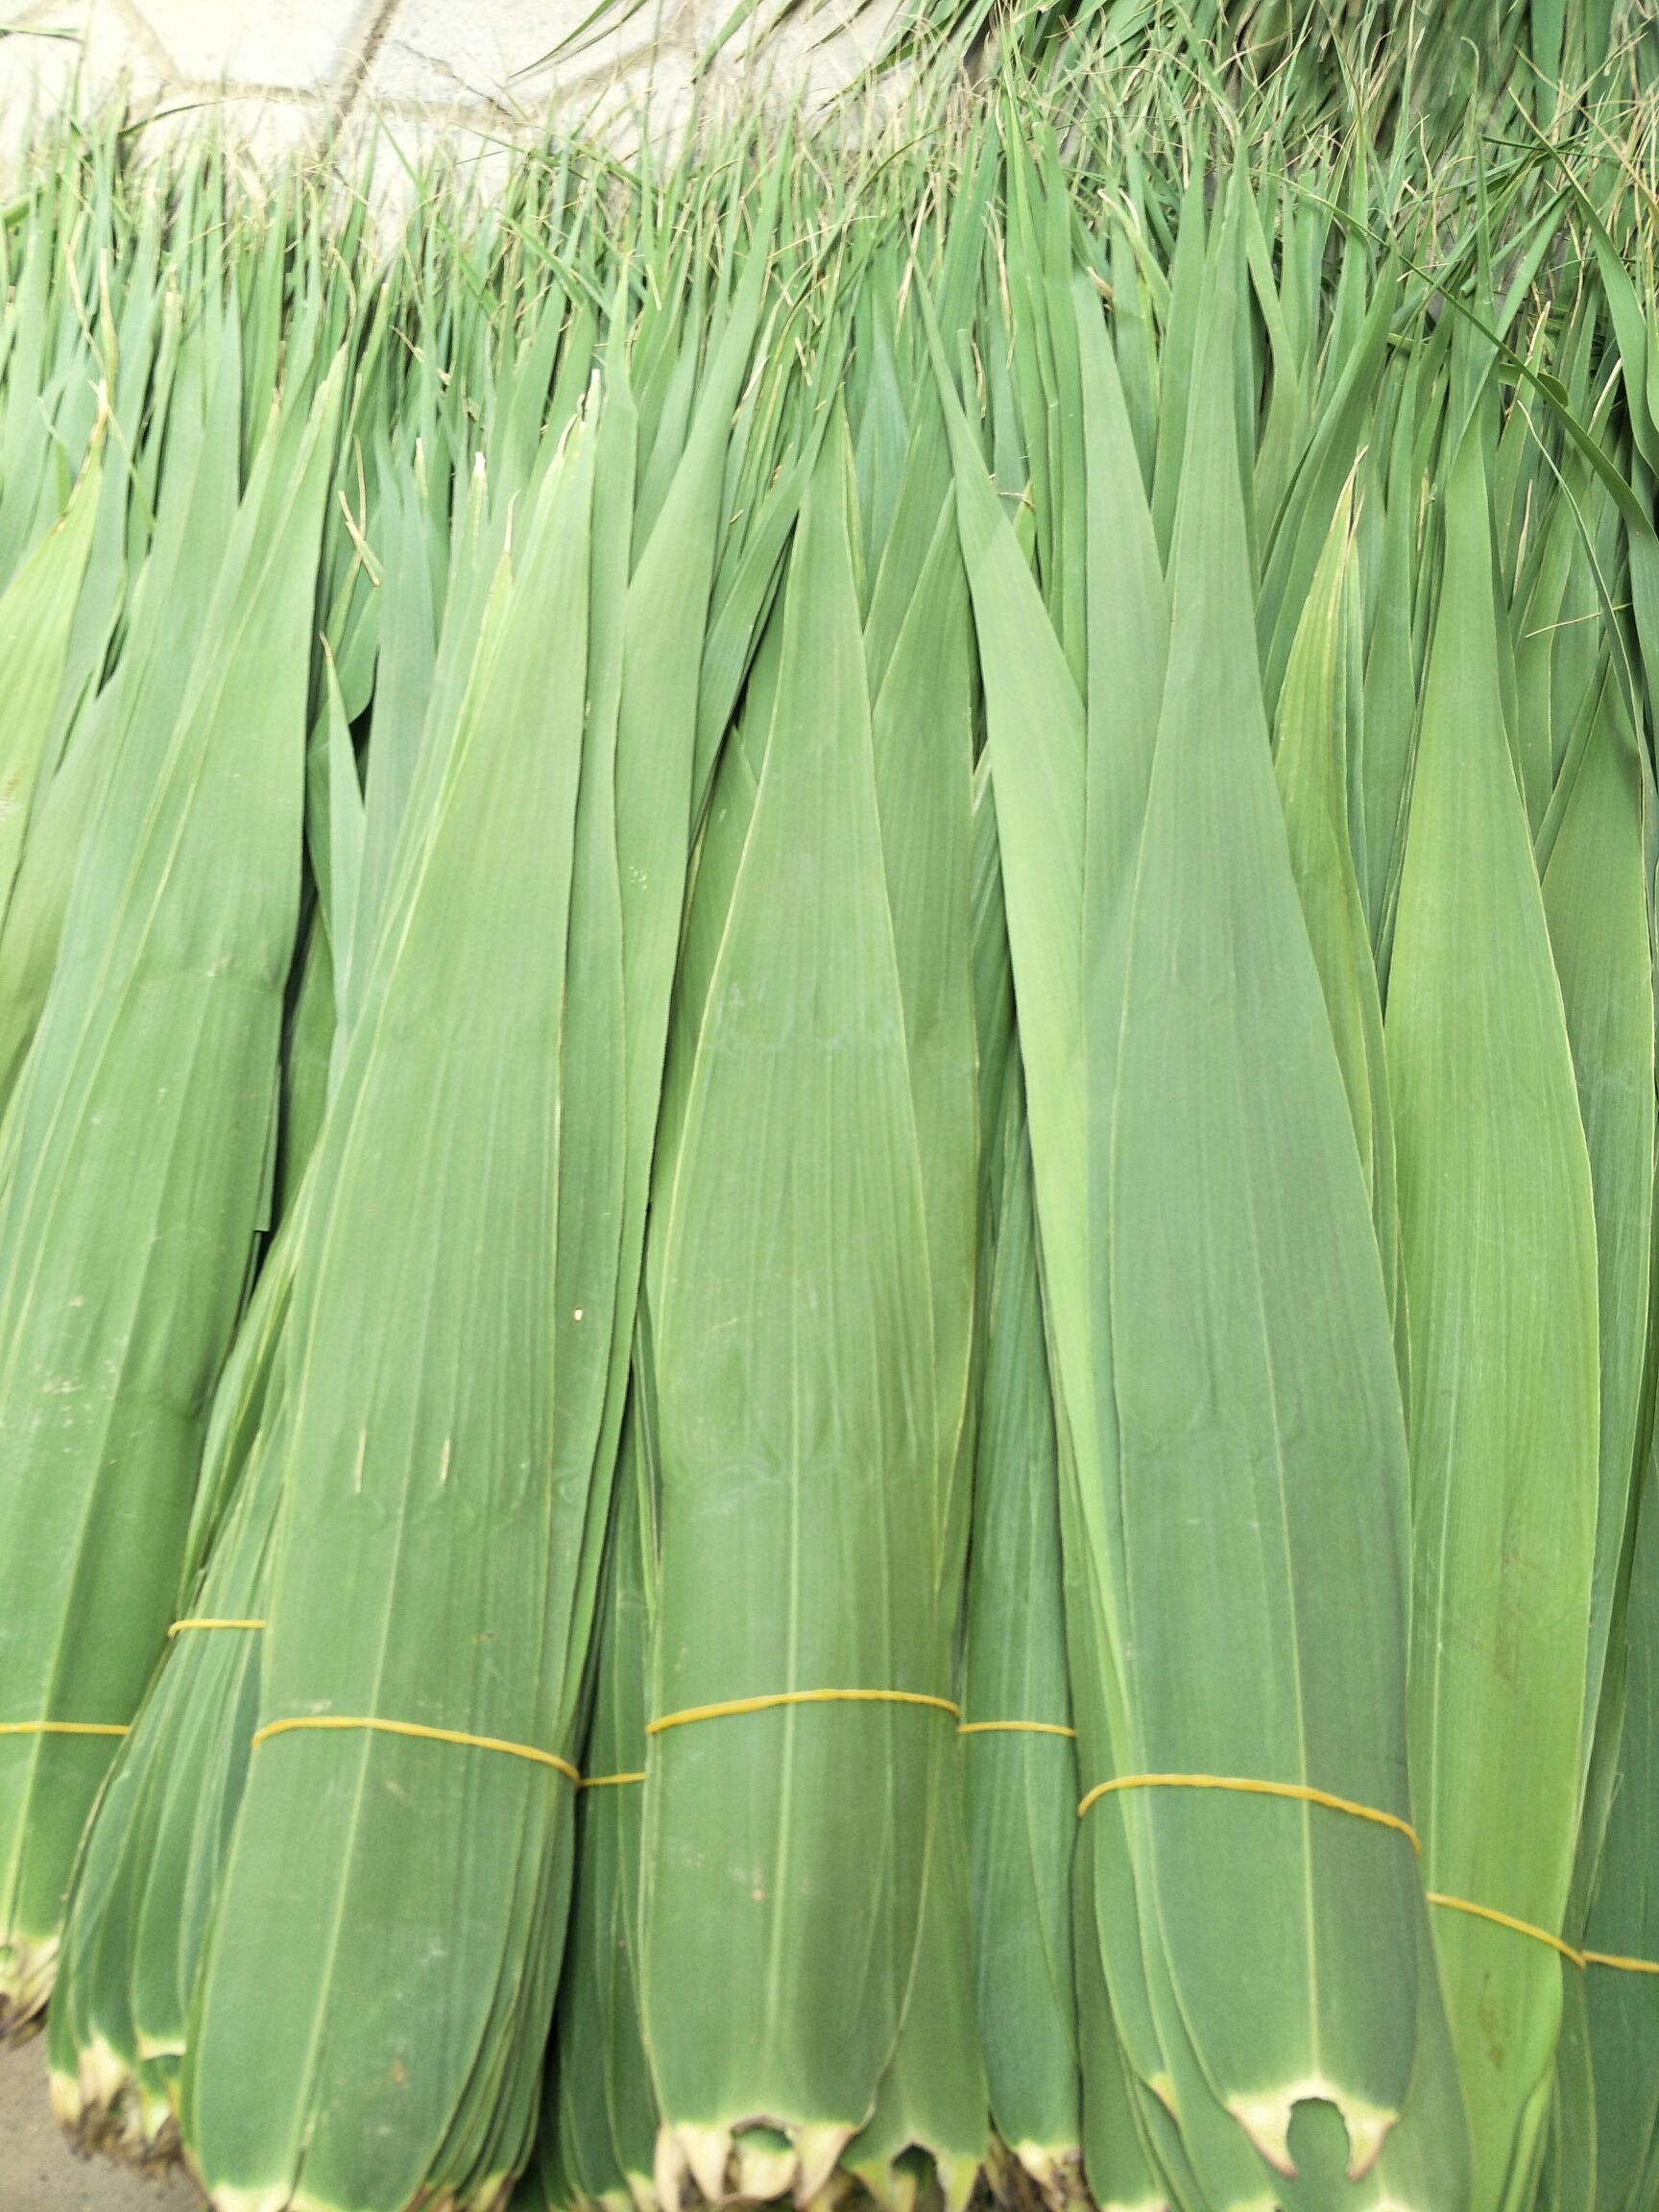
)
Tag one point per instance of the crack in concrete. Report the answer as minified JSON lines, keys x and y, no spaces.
{"x":369,"y":36}
{"x":143,"y":34}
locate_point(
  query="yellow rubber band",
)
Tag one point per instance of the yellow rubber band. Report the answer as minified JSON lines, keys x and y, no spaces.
{"x":608,"y":1781}
{"x":736,"y":1705}
{"x":1014,"y":1728}
{"x":1625,"y":1965}
{"x":179,"y":1626}
{"x":1299,"y":1791}
{"x":426,"y":1735}
{"x":1508,"y":1920}
{"x":1579,"y":1958}
{"x":60,"y":1728}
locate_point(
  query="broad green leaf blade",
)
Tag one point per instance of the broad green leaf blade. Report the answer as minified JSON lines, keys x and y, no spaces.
{"x":1251,"y":1352}
{"x":132,"y":1162}
{"x":1317,"y":705}
{"x":427,"y":1468}
{"x":1021,"y":1789}
{"x":600,"y":2109}
{"x":1596,"y":903}
{"x":36,"y":617}
{"x":1624,"y":2007}
{"x":794,"y":1349}
{"x":1498,"y":1233}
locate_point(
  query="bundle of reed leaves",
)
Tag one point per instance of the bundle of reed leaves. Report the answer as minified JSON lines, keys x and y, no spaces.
{"x":827,"y":1142}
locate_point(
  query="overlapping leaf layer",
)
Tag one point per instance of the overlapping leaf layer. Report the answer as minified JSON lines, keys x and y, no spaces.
{"x":828,"y":1145}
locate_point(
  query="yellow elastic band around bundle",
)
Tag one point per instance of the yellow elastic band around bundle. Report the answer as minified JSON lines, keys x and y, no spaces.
{"x":1624,"y":1965}
{"x":1245,"y":1787}
{"x":202,"y":1622}
{"x":736,"y":1705}
{"x":1579,"y":1958}
{"x":1310,"y":1797}
{"x":1244,"y":1784}
{"x":414,"y":1728}
{"x":62,"y":1728}
{"x":1518,"y":1926}
{"x":1015,"y":1728}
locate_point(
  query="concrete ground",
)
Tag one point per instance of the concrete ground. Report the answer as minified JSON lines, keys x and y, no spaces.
{"x":38,"y":2172}
{"x":470,"y":73}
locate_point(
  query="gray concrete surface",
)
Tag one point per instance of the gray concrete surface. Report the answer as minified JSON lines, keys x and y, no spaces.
{"x":320,"y":72}
{"x":38,"y":2172}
